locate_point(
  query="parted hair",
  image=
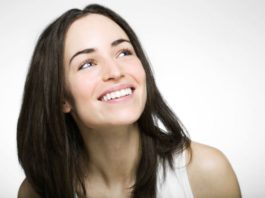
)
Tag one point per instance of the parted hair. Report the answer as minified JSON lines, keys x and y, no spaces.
{"x":50,"y":147}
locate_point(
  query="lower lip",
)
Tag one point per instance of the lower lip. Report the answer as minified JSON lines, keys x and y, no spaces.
{"x":119,"y":100}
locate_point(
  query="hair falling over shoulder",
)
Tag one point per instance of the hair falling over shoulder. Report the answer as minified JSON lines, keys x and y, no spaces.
{"x":50,"y":147}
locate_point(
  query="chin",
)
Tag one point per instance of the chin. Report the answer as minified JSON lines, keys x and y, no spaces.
{"x":123,"y":120}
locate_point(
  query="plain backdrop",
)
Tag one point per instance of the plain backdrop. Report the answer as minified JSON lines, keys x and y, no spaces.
{"x":209,"y":62}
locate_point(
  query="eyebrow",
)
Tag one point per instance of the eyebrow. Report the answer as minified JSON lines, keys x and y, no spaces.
{"x":91,"y":50}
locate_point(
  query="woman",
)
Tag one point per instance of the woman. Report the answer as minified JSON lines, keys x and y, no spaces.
{"x":88,"y":125}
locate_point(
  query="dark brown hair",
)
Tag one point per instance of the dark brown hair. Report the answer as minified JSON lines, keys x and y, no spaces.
{"x":50,"y":147}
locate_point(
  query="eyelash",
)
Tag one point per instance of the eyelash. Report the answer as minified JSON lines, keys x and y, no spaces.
{"x":88,"y":61}
{"x":128,"y":51}
{"x":92,"y":62}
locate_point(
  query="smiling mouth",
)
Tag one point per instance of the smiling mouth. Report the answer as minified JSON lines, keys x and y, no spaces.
{"x":117,"y":94}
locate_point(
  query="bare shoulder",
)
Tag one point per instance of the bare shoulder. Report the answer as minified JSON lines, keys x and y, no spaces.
{"x":210,"y":173}
{"x":26,"y":190}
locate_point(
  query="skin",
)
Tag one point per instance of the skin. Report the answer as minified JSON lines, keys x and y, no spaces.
{"x":109,"y":129}
{"x":210,"y":173}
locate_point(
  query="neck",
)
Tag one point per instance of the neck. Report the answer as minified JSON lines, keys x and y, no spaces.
{"x":113,"y":154}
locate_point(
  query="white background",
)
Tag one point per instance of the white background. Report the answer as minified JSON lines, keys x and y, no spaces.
{"x":209,"y":62}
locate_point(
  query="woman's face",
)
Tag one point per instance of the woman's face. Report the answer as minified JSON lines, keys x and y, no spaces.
{"x":104,"y":77}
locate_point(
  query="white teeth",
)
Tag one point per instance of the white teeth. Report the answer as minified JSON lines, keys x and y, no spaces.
{"x":108,"y":97}
{"x":117,"y":94}
{"x":123,"y":92}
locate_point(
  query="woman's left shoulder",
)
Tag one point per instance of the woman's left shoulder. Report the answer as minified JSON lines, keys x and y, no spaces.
{"x":210,"y":172}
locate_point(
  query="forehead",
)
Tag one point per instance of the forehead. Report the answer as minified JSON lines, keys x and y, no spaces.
{"x":92,"y":30}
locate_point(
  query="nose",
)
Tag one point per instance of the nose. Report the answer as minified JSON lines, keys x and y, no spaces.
{"x":112,"y":70}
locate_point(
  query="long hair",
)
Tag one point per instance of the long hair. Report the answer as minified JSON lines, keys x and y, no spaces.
{"x":50,"y":147}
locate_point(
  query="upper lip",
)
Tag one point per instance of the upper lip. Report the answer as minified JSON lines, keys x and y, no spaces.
{"x":116,"y":88}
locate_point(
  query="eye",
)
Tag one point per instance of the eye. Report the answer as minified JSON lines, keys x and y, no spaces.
{"x":86,"y":64}
{"x":125,"y":52}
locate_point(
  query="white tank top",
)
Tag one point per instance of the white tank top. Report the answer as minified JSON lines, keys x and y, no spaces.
{"x":176,"y":182}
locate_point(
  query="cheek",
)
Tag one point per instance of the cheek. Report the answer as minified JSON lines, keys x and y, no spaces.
{"x":82,"y":88}
{"x":137,"y":71}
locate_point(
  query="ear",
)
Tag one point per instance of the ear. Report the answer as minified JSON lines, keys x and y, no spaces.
{"x":66,"y":107}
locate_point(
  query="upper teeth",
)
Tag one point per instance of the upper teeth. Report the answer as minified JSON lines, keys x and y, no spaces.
{"x":117,"y":94}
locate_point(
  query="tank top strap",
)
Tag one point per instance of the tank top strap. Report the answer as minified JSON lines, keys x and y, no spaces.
{"x":174,"y":183}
